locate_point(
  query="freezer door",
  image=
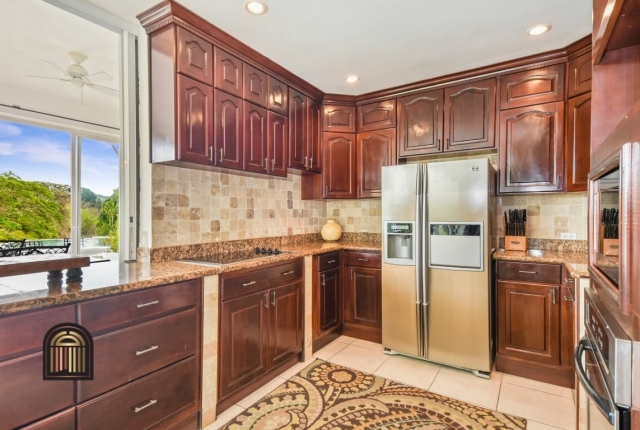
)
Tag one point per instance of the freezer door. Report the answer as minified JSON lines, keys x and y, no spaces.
{"x":399,"y":192}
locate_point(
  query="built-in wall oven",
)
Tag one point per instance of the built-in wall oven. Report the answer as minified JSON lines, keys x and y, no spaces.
{"x":603,"y":365}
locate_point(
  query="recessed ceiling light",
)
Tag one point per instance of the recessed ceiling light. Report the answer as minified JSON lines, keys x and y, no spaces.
{"x":352,"y":79}
{"x":538,"y":29}
{"x":256,"y":7}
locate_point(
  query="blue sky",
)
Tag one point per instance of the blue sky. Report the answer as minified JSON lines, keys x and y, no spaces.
{"x":42,"y":154}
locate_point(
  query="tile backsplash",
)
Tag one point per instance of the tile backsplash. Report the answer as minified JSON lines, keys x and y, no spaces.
{"x":356,"y":216}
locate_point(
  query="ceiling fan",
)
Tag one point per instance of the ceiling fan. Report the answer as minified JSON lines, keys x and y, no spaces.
{"x":79,"y":77}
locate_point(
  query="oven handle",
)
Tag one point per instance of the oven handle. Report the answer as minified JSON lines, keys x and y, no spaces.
{"x":601,"y":402}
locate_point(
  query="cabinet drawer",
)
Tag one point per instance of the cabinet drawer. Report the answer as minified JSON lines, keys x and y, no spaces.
{"x":530,"y":272}
{"x":115,"y":311}
{"x":143,"y":403}
{"x":246,"y":283}
{"x":363,"y":259}
{"x":285,"y":273}
{"x":65,"y":420}
{"x":129,"y":354}
{"x":24,"y":333}
{"x":25,"y":397}
{"x":328,"y":261}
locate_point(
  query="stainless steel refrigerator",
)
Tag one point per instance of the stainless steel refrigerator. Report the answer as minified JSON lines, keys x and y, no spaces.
{"x":436,"y":292}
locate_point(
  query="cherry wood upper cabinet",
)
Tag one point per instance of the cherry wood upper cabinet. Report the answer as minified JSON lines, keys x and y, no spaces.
{"x":228,"y":72}
{"x":376,"y":116}
{"x":579,"y":79}
{"x":255,"y":87}
{"x":195,"y":57}
{"x":420,"y":121}
{"x":255,"y":139}
{"x":338,"y":175}
{"x":470,"y":115}
{"x":532,"y":148}
{"x":278,"y":96}
{"x":314,"y":135}
{"x":297,"y":130}
{"x":578,"y":142}
{"x":228,"y":130}
{"x":195,"y":121}
{"x":532,"y":87}
{"x":374,"y":149}
{"x":339,"y":119}
{"x":277,"y":137}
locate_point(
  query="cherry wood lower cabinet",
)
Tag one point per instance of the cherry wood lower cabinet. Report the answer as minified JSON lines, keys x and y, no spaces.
{"x":327,"y":299}
{"x":535,"y":323}
{"x":260,"y":328}
{"x":362,"y":279}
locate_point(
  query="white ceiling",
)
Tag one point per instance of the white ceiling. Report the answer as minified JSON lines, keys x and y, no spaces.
{"x":387,"y":43}
{"x":33,"y":30}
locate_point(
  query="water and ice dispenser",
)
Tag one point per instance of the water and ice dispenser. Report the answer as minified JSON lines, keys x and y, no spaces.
{"x":400,"y":242}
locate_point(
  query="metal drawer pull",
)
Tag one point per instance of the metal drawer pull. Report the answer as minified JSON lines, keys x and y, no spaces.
{"x":363,"y":259}
{"x":290,"y":272}
{"x":553,"y":294}
{"x":331,"y":261}
{"x":266,"y":300}
{"x":144,"y":351}
{"x":528,"y":271}
{"x":248,"y":283}
{"x":569,"y":298}
{"x":155,"y":302}
{"x":273,"y":298}
{"x":322,"y":283}
{"x":145,"y":406}
{"x":569,"y":280}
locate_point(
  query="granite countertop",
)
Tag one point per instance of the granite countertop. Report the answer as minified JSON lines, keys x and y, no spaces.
{"x":27,"y":292}
{"x":576,"y":262}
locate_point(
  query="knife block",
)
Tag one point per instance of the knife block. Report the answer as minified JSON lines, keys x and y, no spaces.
{"x":515,"y":243}
{"x":611,"y":247}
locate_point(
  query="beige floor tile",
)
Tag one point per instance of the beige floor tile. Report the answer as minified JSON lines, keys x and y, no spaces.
{"x":261,"y":392}
{"x":534,"y":425}
{"x":410,"y":371}
{"x":359,"y":358}
{"x":345,"y":339}
{"x":465,"y":386}
{"x":295,"y":369}
{"x":537,"y":385}
{"x":225,"y":417}
{"x":330,"y":350}
{"x":368,"y":345}
{"x":535,"y":405}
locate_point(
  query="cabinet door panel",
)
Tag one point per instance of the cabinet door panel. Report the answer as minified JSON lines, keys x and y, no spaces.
{"x":374,"y":150}
{"x":285,"y":327}
{"x":255,"y":139}
{"x":244,"y":330}
{"x":195,"y":57}
{"x":65,"y":420}
{"x":580,"y":70}
{"x":314,"y":135}
{"x":532,"y":87}
{"x":531,"y":148}
{"x":195,"y":121}
{"x":420,"y":120}
{"x":329,"y":303}
{"x":529,"y":321}
{"x":228,"y":72}
{"x":278,"y":96}
{"x":376,"y":116}
{"x":277,"y":139}
{"x":228,"y":130}
{"x":297,"y":130}
{"x":338,"y":176}
{"x":364,"y":292}
{"x":469,"y":116}
{"x":578,"y":142}
{"x":339,"y":119}
{"x":255,"y":86}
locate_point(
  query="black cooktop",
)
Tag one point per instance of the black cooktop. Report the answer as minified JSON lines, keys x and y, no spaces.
{"x":235,"y":257}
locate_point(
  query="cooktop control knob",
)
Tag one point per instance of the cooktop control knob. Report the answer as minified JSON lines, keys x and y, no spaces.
{"x":269,"y":251}
{"x":257,"y":250}
{"x":263,"y":251}
{"x":276,"y":251}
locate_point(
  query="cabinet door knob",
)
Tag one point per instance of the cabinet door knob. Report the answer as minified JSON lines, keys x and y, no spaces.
{"x":273,"y":298}
{"x":266,"y":300}
{"x":273,"y":164}
{"x":322,"y":283}
{"x":221,"y":154}
{"x":266,"y":164}
{"x":306,"y":166}
{"x":553,"y":295}
{"x":211,"y":154}
{"x":311,"y":162}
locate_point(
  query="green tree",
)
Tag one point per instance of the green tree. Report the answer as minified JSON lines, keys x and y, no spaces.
{"x":108,"y":218}
{"x":88,"y":222}
{"x":89,"y":198}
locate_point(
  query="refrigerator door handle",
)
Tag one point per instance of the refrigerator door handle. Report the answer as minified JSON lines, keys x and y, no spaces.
{"x":424,"y":232}
{"x":418,"y":276}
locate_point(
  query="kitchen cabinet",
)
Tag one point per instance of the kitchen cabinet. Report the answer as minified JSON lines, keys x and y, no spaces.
{"x":339,"y":119}
{"x":65,"y":420}
{"x":195,"y":121}
{"x":363,"y":296}
{"x":195,"y":57}
{"x":298,"y":158}
{"x":420,"y":121}
{"x":227,"y":72}
{"x":228,"y":127}
{"x":314,"y":135}
{"x":535,"y":322}
{"x":532,"y":87}
{"x":579,"y":79}
{"x":278,"y":96}
{"x":327,"y":299}
{"x":256,"y":158}
{"x":339,"y":176}
{"x":374,"y":149}
{"x":532,"y":149}
{"x":376,"y":116}
{"x":469,"y":116}
{"x":578,"y":142}
{"x":277,"y":138}
{"x":255,"y":86}
{"x":260,"y":328}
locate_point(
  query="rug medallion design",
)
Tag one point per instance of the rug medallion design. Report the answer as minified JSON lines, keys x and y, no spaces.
{"x":328,"y":396}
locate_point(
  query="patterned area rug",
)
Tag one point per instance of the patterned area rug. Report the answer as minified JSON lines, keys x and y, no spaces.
{"x":329,"y":396}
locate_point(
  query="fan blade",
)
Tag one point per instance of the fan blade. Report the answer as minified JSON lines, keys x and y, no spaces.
{"x":48,"y":77}
{"x":99,"y":77}
{"x":56,"y":66}
{"x":105,"y":90}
